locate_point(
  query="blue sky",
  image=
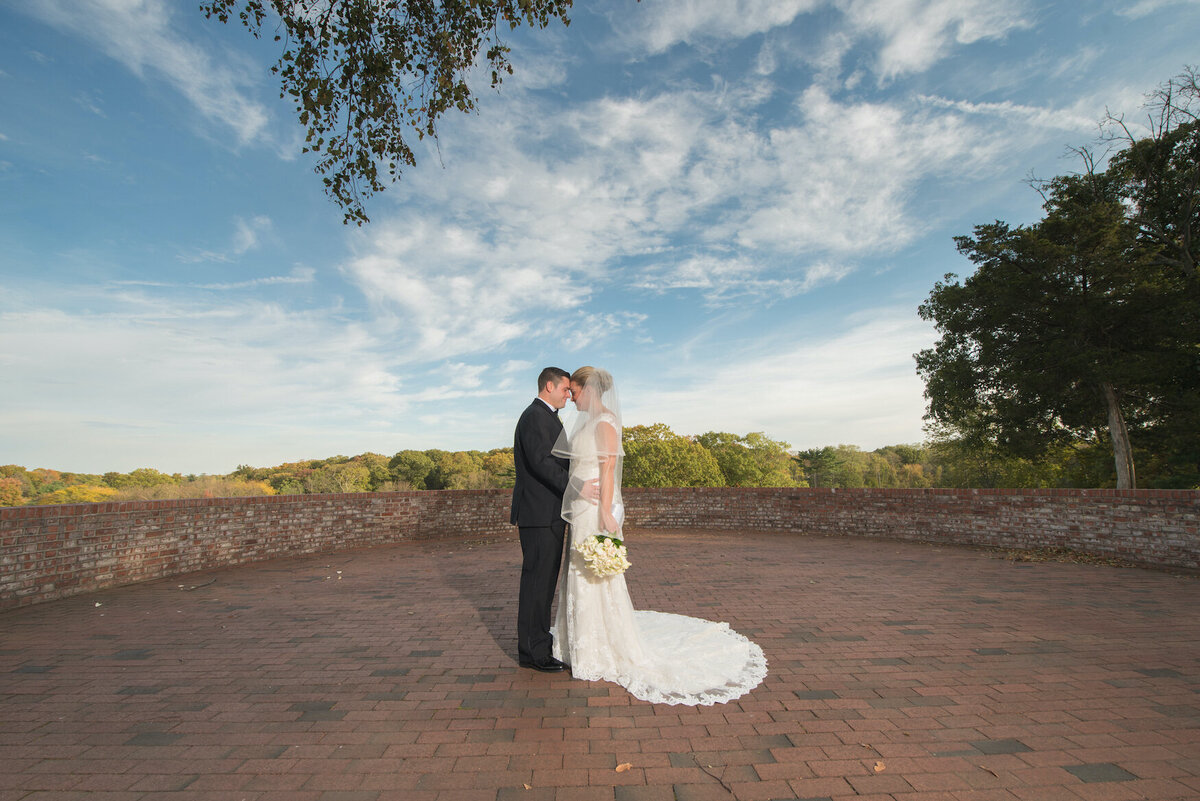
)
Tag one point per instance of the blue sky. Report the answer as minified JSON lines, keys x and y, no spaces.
{"x":735,"y":205}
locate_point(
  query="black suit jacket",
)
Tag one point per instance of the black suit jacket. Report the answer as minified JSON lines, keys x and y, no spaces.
{"x":541,"y":477}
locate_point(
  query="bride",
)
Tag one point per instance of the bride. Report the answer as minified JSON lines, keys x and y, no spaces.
{"x":658,"y":657}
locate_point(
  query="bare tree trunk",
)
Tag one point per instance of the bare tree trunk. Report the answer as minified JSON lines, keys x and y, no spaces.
{"x":1122,"y":452}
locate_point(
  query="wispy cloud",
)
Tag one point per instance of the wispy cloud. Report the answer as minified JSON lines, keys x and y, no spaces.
{"x":90,"y":104}
{"x":248,"y":232}
{"x":679,"y":191}
{"x":446,"y":290}
{"x":1071,"y":119}
{"x":198,"y":256}
{"x":916,"y":34}
{"x":188,"y":369}
{"x":1144,"y":8}
{"x":725,"y":281}
{"x":245,"y":238}
{"x":141,"y":35}
{"x":908,"y":36}
{"x":299,"y":275}
{"x":857,"y":386}
{"x":841,"y":177}
{"x":660,"y":26}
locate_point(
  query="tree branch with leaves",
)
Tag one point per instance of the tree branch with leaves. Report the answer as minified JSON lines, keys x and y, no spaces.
{"x":367,"y":75}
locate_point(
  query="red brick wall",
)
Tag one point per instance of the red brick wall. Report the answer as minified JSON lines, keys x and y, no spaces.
{"x":1152,"y":527}
{"x":49,"y":552}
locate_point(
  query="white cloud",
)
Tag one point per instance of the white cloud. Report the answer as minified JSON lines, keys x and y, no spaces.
{"x":843,"y":177}
{"x":448,"y":291}
{"x":246,"y":235}
{"x":532,"y":70}
{"x":197,"y":256}
{"x":190,"y":384}
{"x":90,"y":104}
{"x":1144,"y":8}
{"x":248,"y":232}
{"x":140,"y":34}
{"x":724,"y":281}
{"x":910,"y":36}
{"x":658,"y":26}
{"x":538,"y":209}
{"x":916,"y":34}
{"x":857,"y":387}
{"x":299,"y":275}
{"x":1079,"y":118}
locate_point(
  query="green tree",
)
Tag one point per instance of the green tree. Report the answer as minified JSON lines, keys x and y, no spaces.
{"x":1160,"y":176}
{"x":1060,"y":331}
{"x":142,"y":477}
{"x":289,"y":478}
{"x":753,"y":460}
{"x":1160,"y":184}
{"x":196,"y":487}
{"x":655,"y":456}
{"x":45,"y":480}
{"x":902,"y":454}
{"x":967,"y":461}
{"x":364,"y":74}
{"x":819,"y":466}
{"x":378,"y":469}
{"x":848,"y":466}
{"x":499,"y":465}
{"x":912,"y":465}
{"x":338,"y":477}
{"x":458,"y":470}
{"x":411,"y":468}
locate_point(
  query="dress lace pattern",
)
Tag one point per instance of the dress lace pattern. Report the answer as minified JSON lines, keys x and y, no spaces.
{"x":658,"y":657}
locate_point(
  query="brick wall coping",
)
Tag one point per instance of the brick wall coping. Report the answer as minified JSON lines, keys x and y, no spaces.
{"x":108,"y":507}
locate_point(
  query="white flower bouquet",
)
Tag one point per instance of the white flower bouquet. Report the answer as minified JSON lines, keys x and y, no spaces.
{"x":604,"y":554}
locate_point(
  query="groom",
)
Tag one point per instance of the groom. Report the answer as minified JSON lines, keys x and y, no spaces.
{"x":537,"y":512}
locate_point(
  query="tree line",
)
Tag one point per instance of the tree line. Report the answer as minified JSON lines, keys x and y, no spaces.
{"x":655,"y":456}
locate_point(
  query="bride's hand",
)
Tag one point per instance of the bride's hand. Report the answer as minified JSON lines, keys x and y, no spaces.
{"x":608,"y":522}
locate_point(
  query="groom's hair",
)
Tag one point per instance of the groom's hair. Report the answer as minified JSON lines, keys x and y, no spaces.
{"x":551,"y":375}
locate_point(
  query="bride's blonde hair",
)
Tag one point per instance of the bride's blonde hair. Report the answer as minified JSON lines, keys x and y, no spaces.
{"x":603,"y":378}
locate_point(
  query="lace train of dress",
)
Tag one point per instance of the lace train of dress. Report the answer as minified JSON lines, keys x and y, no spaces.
{"x":659,"y":657}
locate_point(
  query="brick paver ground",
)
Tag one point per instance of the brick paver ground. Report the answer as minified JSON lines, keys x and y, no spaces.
{"x":898,"y":672}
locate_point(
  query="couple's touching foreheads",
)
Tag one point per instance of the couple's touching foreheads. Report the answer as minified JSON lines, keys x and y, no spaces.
{"x":567,"y":505}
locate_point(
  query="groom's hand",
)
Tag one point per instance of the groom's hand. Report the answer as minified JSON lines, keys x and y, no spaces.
{"x":591,"y":491}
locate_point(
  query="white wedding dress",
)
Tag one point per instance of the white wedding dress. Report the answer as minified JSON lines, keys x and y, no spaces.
{"x":657,"y":656}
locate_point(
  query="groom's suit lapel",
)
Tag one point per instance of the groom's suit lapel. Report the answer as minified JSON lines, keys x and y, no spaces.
{"x":552,"y":419}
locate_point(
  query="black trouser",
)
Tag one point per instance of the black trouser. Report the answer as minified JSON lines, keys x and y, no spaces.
{"x":541,"y":557}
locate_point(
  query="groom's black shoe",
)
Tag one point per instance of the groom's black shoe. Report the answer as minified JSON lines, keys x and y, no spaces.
{"x":547,"y":665}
